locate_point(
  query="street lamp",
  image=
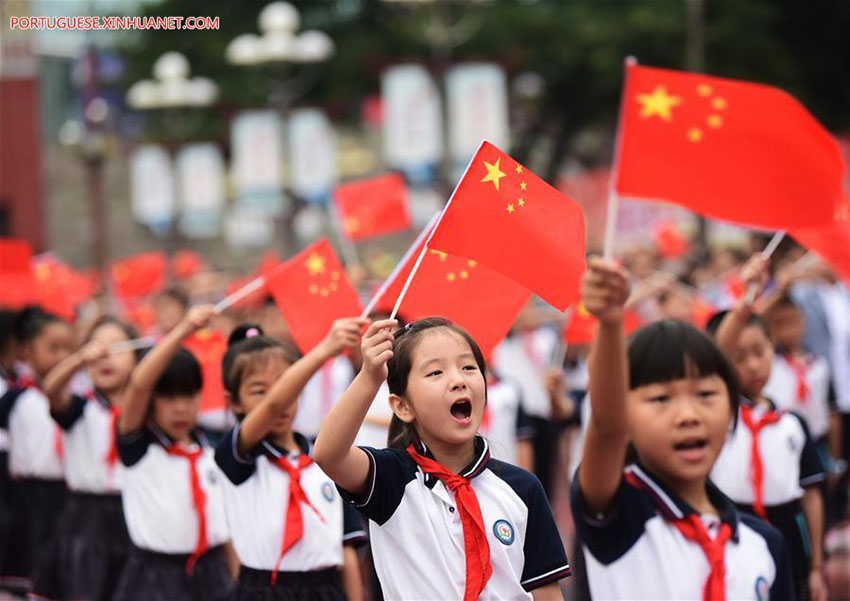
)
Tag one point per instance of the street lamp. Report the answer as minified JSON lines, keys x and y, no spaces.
{"x":172,"y":90}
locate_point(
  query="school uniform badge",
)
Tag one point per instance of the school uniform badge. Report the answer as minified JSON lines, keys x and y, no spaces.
{"x":328,"y":491}
{"x":503,"y":531}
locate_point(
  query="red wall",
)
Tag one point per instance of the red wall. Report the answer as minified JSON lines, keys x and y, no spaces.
{"x":20,"y":161}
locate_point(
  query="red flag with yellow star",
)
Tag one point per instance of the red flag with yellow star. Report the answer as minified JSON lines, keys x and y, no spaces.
{"x":209,"y":346}
{"x":373,"y":207}
{"x":139,"y":275}
{"x":832,"y":242}
{"x":59,"y":287}
{"x":504,"y":216}
{"x":480,"y":300}
{"x":728,"y":149}
{"x":312,"y":290}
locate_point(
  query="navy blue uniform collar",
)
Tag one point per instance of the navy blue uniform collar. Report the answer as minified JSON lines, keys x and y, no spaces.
{"x":473,"y":469}
{"x":672,"y":507}
{"x":166,"y":441}
{"x":275,"y":451}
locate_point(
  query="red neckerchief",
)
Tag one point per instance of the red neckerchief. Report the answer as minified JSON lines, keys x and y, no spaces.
{"x":293,"y":526}
{"x":801,"y":369}
{"x":475,"y":545}
{"x":692,"y":528}
{"x":27,"y":381}
{"x":111,"y":458}
{"x":770,"y":417}
{"x":199,"y":500}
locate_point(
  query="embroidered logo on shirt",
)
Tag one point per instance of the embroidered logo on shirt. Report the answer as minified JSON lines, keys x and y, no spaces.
{"x":762,"y":589}
{"x":328,"y":491}
{"x":504,"y":532}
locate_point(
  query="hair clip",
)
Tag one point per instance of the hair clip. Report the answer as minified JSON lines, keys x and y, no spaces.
{"x":407,"y":327}
{"x":251,"y":332}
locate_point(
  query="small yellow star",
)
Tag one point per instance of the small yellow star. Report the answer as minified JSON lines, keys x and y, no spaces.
{"x":335,"y":275}
{"x":323,"y":291}
{"x":523,"y":185}
{"x":450,"y":276}
{"x":519,"y":168}
{"x":315,"y":264}
{"x":333,"y":286}
{"x":718,"y":103}
{"x":714,"y":121}
{"x":521,"y":202}
{"x":658,"y":103}
{"x":464,"y":275}
{"x":493,"y":173}
{"x":443,"y":256}
{"x":704,"y":89}
{"x":510,"y":208}
{"x":472,"y":263}
{"x":42,"y":273}
{"x":694,"y":134}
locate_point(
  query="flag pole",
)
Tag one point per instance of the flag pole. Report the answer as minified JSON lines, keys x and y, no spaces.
{"x":244,"y":291}
{"x":766,"y":254}
{"x":434,"y":229}
{"x":132,"y":345}
{"x":346,"y":246}
{"x":613,"y":200}
{"x":399,"y":266}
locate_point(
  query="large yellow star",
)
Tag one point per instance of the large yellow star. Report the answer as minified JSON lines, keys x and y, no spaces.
{"x":315,"y":264}
{"x":658,"y":103}
{"x":493,"y":173}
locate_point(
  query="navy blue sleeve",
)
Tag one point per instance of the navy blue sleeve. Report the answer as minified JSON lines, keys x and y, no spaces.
{"x":812,"y":470}
{"x":525,"y":429}
{"x":353,"y":529}
{"x":545,"y":559}
{"x":609,"y":536}
{"x":389,"y":472}
{"x":236,"y":467}
{"x":74,"y":411}
{"x":133,"y":446}
{"x":782,"y":588}
{"x":7,"y":403}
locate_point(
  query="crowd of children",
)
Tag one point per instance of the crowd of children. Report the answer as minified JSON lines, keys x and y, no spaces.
{"x":692,"y":458}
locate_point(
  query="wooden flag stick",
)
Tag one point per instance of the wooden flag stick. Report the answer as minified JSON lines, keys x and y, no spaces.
{"x":244,"y":291}
{"x":766,"y":253}
{"x":346,"y":246}
{"x":391,"y":278}
{"x":132,"y":345}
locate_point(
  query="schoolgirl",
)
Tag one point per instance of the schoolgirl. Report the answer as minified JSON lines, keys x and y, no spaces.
{"x":290,"y":529}
{"x":446,"y":520}
{"x":651,"y":522}
{"x":171,"y":485}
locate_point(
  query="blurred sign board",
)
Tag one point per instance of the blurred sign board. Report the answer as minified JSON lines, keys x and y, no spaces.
{"x":200,"y":172}
{"x":152,"y":187}
{"x":312,"y":154}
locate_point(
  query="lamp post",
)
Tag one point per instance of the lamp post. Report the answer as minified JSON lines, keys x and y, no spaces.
{"x":173,"y":91}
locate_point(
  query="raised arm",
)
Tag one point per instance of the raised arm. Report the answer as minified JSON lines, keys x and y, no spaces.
{"x":334,"y":451}
{"x":605,"y":289}
{"x":754,"y":273}
{"x":56,"y":381}
{"x":143,"y":379}
{"x":345,"y":333}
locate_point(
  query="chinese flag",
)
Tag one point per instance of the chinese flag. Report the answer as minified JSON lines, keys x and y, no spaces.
{"x":186,"y":263}
{"x":512,"y":221}
{"x":209,"y":346}
{"x":373,"y":207}
{"x":581,"y":326}
{"x":480,"y":300}
{"x":17,"y":286}
{"x":57,"y":288}
{"x":728,"y":149}
{"x":139,"y":275}
{"x":312,"y":290}
{"x":831,"y":242}
{"x":671,"y":243}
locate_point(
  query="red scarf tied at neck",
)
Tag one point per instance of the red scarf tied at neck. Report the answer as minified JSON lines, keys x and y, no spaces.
{"x":770,"y":417}
{"x":475,"y":544}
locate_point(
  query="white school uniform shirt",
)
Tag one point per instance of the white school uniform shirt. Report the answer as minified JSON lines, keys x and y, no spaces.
{"x":321,"y":392}
{"x":157,"y":493}
{"x":782,"y":388}
{"x":373,"y":435}
{"x":88,"y":435}
{"x":256,"y":497}
{"x":789,"y":458}
{"x":836,"y":304}
{"x":417,"y":537}
{"x":636,"y":553}
{"x":505,"y":422}
{"x":512,"y":359}
{"x":35,"y":448}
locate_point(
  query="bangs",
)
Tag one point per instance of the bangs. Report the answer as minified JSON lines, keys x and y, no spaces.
{"x":672,"y":350}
